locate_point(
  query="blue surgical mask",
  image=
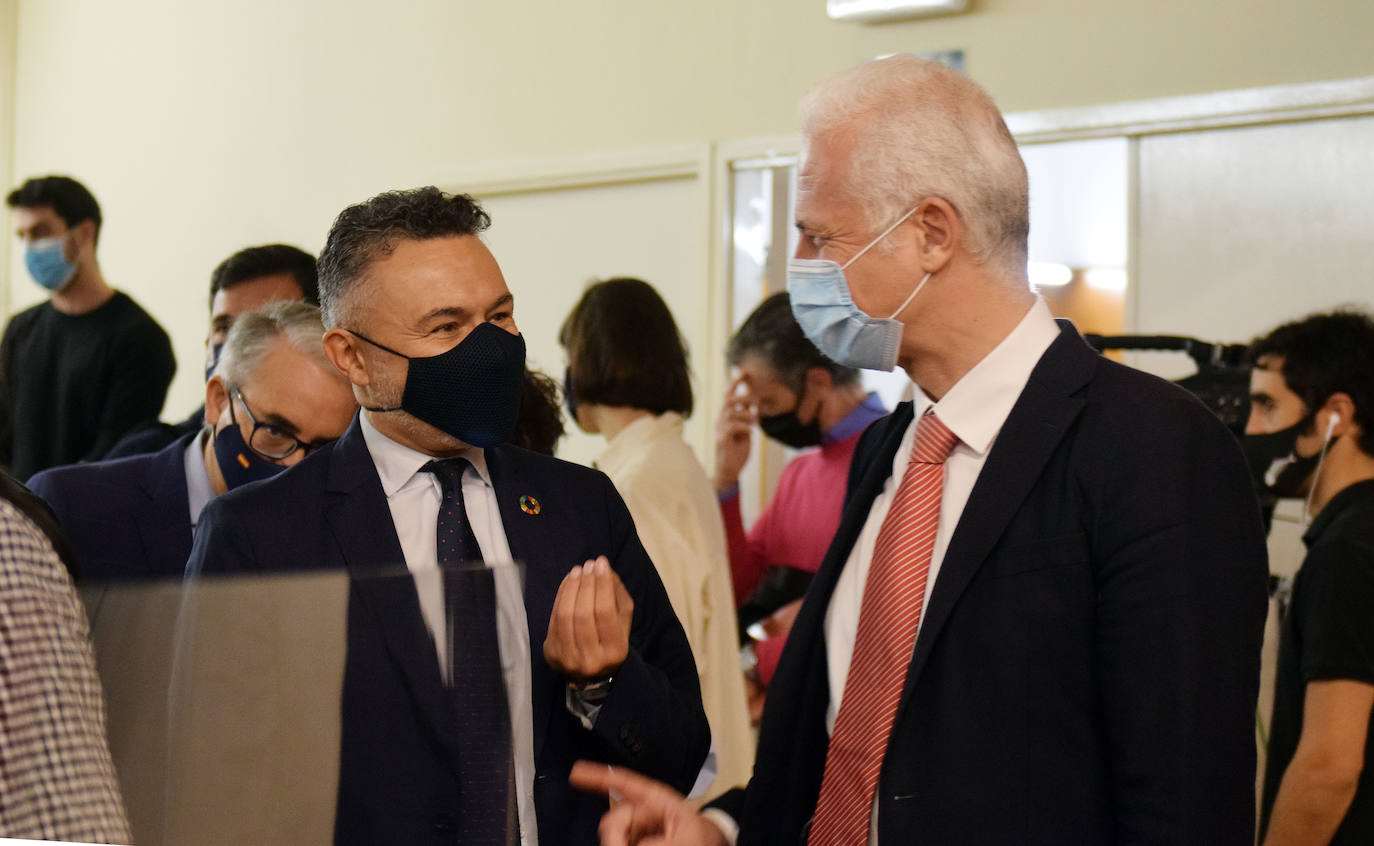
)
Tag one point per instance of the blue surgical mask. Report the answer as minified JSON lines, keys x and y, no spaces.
{"x":47,"y":262}
{"x":824,"y":308}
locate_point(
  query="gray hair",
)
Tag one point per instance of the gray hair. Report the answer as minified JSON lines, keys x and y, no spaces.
{"x":924,"y":130}
{"x":255,"y":333}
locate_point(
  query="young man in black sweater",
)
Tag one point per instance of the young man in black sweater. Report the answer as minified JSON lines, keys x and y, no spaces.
{"x":1312,"y":407}
{"x":84,"y":368}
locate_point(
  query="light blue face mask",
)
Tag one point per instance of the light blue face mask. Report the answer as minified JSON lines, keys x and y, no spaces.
{"x":47,"y":263}
{"x":823,"y":306}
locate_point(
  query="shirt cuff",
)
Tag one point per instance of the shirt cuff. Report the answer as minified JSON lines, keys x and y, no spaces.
{"x":579,"y":707}
{"x":706,"y":776}
{"x":724,"y":822}
{"x":726,"y":496}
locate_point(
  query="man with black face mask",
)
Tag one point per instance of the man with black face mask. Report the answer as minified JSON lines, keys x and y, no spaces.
{"x":1312,"y":424}
{"x":800,"y":399}
{"x":467,"y":695}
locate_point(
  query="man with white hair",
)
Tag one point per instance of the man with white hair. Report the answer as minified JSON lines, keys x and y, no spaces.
{"x":274,"y":398}
{"x":1040,"y":618}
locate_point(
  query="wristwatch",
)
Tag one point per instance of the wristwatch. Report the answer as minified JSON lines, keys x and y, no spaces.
{"x":592,"y":691}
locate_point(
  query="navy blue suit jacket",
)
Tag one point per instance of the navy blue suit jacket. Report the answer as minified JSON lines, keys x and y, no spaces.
{"x":1088,"y":665}
{"x":128,"y":518}
{"x":398,"y":777}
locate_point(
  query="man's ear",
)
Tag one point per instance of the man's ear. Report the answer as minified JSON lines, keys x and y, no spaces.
{"x":939,"y":233}
{"x":1338,"y":412}
{"x":84,"y":233}
{"x":216,"y":399}
{"x":342,"y":349}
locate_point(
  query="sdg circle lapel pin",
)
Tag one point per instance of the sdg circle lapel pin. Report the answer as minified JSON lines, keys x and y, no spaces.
{"x":529,"y":505}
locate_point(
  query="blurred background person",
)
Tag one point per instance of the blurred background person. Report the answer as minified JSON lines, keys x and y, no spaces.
{"x":57,"y":781}
{"x":82,"y":369}
{"x":628,"y":381}
{"x":248,"y":280}
{"x":274,"y":398}
{"x":1312,"y":408}
{"x":800,"y":399}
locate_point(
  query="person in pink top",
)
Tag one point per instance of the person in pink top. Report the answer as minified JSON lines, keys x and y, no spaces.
{"x":801,"y":399}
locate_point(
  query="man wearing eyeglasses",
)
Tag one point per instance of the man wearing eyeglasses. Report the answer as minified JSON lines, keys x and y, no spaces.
{"x":274,"y":399}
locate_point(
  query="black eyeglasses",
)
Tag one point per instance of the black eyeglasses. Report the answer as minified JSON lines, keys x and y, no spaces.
{"x":270,"y":440}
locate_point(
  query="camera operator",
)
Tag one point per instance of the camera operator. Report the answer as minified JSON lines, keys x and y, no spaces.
{"x":1312,"y":411}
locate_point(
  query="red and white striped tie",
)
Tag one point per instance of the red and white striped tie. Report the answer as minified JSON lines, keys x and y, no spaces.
{"x":888,"y":620}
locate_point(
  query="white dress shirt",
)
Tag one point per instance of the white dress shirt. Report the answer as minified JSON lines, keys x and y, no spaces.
{"x":975,"y":410}
{"x":414,"y":496}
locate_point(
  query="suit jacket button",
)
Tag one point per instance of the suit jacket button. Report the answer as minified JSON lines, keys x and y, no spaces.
{"x":628,"y":738}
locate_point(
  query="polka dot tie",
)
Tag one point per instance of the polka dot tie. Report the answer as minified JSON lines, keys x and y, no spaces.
{"x":486,"y":797}
{"x":888,"y":620}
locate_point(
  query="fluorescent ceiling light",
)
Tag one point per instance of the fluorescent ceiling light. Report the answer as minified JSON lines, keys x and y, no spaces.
{"x":1044,"y":274}
{"x":1106,"y":278}
{"x":882,"y":10}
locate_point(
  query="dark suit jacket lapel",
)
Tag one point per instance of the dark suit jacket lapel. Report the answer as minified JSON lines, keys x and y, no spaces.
{"x":792,"y":745}
{"x":532,"y":549}
{"x":866,"y":488}
{"x":165,"y":520}
{"x":360,"y":519}
{"x":1037,"y":423}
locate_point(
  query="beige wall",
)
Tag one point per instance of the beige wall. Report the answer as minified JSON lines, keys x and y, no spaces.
{"x":8,"y":17}
{"x":206,"y":127}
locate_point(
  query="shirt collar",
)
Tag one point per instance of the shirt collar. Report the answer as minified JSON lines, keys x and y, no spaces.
{"x":628,"y":440}
{"x":856,"y":420}
{"x":979,"y":403}
{"x":199,"y":491}
{"x":397,"y":464}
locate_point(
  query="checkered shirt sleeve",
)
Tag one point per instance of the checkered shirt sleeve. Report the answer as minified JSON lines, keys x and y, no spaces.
{"x":57,"y":781}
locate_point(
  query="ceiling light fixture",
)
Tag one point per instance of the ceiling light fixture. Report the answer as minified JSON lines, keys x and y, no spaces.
{"x":886,"y":10}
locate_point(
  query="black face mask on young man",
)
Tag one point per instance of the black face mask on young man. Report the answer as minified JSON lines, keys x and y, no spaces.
{"x":1275,"y":463}
{"x":471,"y":392}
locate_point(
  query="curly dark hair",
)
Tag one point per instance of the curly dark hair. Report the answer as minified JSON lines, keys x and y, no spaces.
{"x":1325,"y":354}
{"x":540,"y":425}
{"x":370,"y":230}
{"x":773,"y":334}
{"x":625,"y":349}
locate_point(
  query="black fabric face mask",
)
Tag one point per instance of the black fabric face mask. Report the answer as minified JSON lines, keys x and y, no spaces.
{"x":472,"y":392}
{"x":238,"y":464}
{"x":1263,"y":452}
{"x":787,"y":430}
